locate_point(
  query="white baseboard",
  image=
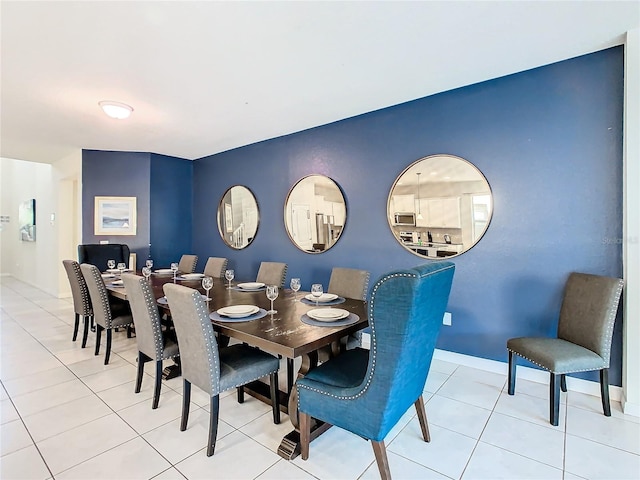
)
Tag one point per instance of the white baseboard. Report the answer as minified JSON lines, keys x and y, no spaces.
{"x":630,"y":408}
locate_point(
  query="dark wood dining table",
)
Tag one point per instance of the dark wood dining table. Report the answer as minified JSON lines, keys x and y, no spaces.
{"x":282,"y":333}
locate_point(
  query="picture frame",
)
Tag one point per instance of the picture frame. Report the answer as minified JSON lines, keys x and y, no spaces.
{"x":115,"y":216}
{"x":228,"y":217}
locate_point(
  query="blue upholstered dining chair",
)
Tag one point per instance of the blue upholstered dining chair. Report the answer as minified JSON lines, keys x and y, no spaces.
{"x":366,"y":392}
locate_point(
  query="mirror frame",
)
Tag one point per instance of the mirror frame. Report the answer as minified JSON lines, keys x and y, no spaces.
{"x":286,"y":204}
{"x":219,"y":217}
{"x":414,"y":250}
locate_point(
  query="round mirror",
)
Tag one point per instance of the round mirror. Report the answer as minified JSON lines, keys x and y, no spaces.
{"x":439,"y":206}
{"x":238,"y":217}
{"x":315,"y":214}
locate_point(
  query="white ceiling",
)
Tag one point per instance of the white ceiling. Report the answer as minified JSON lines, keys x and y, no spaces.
{"x":205,"y":77}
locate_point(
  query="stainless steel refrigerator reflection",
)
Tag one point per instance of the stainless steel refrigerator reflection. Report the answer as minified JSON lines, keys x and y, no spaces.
{"x":326,"y":231}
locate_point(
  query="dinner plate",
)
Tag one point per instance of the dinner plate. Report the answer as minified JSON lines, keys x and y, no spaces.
{"x":325,"y":297}
{"x":117,"y":283}
{"x":163,"y":271}
{"x":251,"y":285}
{"x":327,"y":314}
{"x":192,"y":276}
{"x":108,"y":275}
{"x":237,"y":311}
{"x":113,"y":270}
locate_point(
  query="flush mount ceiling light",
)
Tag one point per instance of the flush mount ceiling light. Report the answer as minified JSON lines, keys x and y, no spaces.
{"x":116,"y":109}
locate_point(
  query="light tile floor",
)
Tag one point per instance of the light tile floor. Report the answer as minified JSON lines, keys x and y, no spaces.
{"x":65,"y":415}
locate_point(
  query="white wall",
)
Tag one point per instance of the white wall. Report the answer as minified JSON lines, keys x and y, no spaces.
{"x":56,"y":189}
{"x":631,"y":231}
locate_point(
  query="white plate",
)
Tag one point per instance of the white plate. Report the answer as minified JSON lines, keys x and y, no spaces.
{"x":251,"y":285}
{"x":192,"y":276}
{"x":327,"y":314}
{"x":163,"y":270}
{"x":117,"y":282}
{"x":237,"y":311}
{"x":113,"y":270}
{"x":325,"y":297}
{"x":108,"y":275}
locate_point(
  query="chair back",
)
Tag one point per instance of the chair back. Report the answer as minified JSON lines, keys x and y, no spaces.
{"x":272,"y":273}
{"x":588,"y":312}
{"x":405,"y":316}
{"x":198,"y":348}
{"x":187,"y":263}
{"x":215,"y":267}
{"x":145,"y":315}
{"x":100,"y":254}
{"x":99,"y":295}
{"x":349,"y":283}
{"x":79,"y":291}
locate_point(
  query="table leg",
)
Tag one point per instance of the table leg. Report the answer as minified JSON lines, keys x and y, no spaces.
{"x":290,"y":445}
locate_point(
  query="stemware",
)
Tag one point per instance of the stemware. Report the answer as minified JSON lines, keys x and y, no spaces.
{"x":111,"y":264}
{"x":295,"y":286}
{"x":174,"y":269}
{"x":149,"y":263}
{"x":272,"y":294}
{"x":122,"y":267}
{"x":229,"y":274}
{"x":146,"y":272}
{"x":207,"y":283}
{"x":316,"y":291}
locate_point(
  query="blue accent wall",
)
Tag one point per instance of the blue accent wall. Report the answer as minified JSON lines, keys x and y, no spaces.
{"x":162,"y":186}
{"x":548,"y":140}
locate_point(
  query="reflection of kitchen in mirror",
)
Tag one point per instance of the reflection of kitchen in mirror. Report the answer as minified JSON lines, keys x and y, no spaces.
{"x":238,"y":217}
{"x":315,"y":214}
{"x":440,"y":206}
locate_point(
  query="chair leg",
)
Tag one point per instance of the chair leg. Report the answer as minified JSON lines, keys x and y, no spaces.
{"x":554,"y":399}
{"x":142,"y":358}
{"x":76,"y":323}
{"x":240,"y":391}
{"x":275,"y":403}
{"x":108,"y":352}
{"x":156,"y":390}
{"x":380,"y":452}
{"x":604,"y":391}
{"x":186,"y":399}
{"x":422,"y":418}
{"x":290,"y":367}
{"x":98,"y":334}
{"x":85,"y":332}
{"x":512,"y":373}
{"x":213,"y":424}
{"x":304,"y":424}
{"x":563,"y":382}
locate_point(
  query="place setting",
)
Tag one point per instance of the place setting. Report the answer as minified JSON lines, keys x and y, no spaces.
{"x":329,"y":317}
{"x":189,"y":276}
{"x":317,"y":297}
{"x":238,"y":313}
{"x":249,"y":287}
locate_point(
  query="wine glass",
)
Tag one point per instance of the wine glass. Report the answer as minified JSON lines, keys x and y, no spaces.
{"x":146,"y":272}
{"x":149,"y":263}
{"x":316,"y":291}
{"x":174,"y":269}
{"x":229,"y":274}
{"x":207,"y":283}
{"x":111,"y":264}
{"x":272,"y":294}
{"x":295,"y":286}
{"x":122,"y":267}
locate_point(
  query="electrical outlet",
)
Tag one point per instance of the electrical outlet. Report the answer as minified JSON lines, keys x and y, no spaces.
{"x":446,"y":319}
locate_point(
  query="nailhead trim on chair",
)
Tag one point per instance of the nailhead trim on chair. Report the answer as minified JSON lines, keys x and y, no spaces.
{"x":610,"y":323}
{"x":104,"y":299}
{"x":373,"y":336}
{"x":152,"y":308}
{"x":604,"y":365}
{"x":84,"y":292}
{"x":209,"y":336}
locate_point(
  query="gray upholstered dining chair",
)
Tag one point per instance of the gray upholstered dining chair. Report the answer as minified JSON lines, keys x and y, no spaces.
{"x":81,"y":299}
{"x":107,"y":315}
{"x":215,"y":267}
{"x":212,"y":369}
{"x":367,"y":391}
{"x":583,"y":343}
{"x":153,"y":345}
{"x":272,"y":273}
{"x":187,"y":263}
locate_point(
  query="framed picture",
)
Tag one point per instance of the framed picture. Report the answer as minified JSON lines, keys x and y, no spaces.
{"x":27,"y":220}
{"x":115,"y":216}
{"x":228,"y":217}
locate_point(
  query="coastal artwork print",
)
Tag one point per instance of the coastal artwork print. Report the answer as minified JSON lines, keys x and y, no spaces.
{"x":115,"y":216}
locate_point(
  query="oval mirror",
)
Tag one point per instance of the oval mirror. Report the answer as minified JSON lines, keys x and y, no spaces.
{"x":315,"y":214}
{"x":238,"y":217}
{"x":439,"y":206}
